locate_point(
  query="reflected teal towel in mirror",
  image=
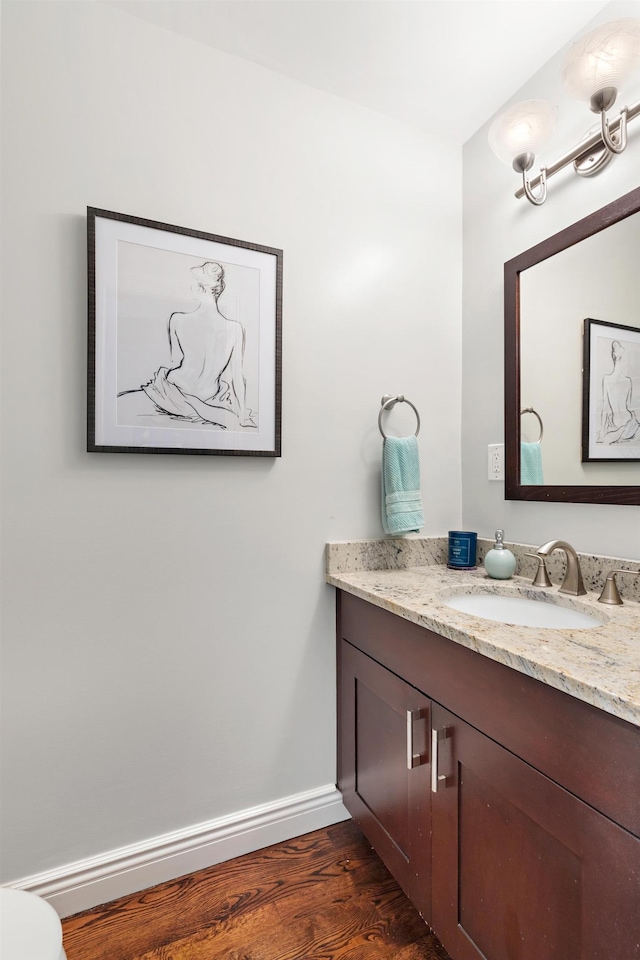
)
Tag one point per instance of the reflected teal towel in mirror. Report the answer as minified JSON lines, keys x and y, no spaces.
{"x":401,"y":499}
{"x":531,"y":464}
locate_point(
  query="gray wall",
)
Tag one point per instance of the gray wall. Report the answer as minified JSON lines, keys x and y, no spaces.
{"x":496,"y":228}
{"x":168,"y":638}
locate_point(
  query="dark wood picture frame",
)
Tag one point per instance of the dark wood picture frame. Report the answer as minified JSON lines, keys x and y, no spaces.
{"x":184,"y":340}
{"x":590,"y":374}
{"x":618,"y":210}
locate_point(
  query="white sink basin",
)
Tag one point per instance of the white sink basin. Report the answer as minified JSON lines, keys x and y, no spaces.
{"x":521,"y":611}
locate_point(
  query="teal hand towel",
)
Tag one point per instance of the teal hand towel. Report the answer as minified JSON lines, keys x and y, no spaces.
{"x":401,"y":500}
{"x":531,"y":464}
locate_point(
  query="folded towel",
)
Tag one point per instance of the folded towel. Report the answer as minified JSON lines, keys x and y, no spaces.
{"x":401,"y":500}
{"x":531,"y":464}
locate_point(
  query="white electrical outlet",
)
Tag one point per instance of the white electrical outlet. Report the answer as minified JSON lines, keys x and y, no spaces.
{"x":496,"y":461}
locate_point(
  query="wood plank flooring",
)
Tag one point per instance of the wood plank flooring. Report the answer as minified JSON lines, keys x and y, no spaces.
{"x":323,"y":896}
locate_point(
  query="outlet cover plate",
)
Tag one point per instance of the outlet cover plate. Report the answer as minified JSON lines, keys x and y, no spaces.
{"x":496,"y":461}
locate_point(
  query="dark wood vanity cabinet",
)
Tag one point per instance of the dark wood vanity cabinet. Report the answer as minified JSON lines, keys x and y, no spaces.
{"x":385,"y":730}
{"x":449,"y":762}
{"x":522,"y":868}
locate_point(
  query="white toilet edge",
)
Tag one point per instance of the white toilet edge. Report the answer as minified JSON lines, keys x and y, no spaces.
{"x":30,"y":927}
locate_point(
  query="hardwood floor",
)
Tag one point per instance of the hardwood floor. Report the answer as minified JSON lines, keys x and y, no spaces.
{"x":323,"y":896}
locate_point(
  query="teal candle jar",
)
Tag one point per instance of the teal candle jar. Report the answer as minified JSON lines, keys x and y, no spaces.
{"x":463,"y":545}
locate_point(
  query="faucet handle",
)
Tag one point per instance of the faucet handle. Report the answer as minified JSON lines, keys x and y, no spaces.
{"x":541,"y":578}
{"x":610,"y":593}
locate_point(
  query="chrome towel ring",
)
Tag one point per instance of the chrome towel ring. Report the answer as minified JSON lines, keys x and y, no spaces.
{"x":388,"y":402}
{"x":539,"y":418}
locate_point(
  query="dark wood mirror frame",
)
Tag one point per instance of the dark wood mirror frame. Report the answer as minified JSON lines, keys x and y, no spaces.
{"x":514,"y":490}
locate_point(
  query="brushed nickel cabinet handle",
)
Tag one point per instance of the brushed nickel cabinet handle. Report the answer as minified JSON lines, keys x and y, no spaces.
{"x":436,"y":737}
{"x":413,"y":759}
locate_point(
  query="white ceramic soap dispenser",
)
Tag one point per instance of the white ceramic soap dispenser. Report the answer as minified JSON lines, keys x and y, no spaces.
{"x":499,"y":562}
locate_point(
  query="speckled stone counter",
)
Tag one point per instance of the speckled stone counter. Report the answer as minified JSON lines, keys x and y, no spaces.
{"x":409,"y":577}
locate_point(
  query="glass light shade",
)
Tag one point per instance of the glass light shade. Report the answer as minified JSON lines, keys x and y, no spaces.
{"x":606,"y":57}
{"x":523,"y":128}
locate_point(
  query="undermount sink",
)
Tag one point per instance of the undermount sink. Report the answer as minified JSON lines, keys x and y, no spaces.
{"x":522,"y":611}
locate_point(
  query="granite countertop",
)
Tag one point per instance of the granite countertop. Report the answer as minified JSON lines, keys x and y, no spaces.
{"x":599,"y":665}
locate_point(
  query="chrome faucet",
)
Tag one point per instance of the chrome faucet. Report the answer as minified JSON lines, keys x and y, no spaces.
{"x":572,"y":582}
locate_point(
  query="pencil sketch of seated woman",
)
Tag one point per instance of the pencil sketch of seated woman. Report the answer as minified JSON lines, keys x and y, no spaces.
{"x":205,"y":381}
{"x":619,"y":423}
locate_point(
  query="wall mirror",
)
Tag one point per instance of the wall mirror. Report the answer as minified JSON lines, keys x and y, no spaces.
{"x":572,"y":362}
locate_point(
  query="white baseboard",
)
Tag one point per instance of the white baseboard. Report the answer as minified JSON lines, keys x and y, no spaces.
{"x":86,"y":883}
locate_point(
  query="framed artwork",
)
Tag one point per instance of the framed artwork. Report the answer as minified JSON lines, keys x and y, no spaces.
{"x":611,"y":392}
{"x":185,"y":340}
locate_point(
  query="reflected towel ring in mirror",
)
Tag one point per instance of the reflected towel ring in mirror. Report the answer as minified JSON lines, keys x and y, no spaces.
{"x":388,"y":402}
{"x":536,"y":414}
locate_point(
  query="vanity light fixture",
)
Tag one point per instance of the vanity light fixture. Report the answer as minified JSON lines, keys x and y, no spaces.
{"x":594,"y":70}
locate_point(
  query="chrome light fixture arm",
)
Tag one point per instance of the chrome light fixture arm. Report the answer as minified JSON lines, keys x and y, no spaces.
{"x":522,"y":164}
{"x":601,"y":102}
{"x":542,"y":196}
{"x":619,"y":143}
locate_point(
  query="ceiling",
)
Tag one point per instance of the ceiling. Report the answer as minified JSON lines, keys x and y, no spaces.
{"x":443,"y":65}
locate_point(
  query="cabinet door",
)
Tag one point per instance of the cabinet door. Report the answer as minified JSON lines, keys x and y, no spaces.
{"x":522,"y":869}
{"x":383,"y":742}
